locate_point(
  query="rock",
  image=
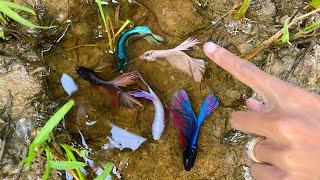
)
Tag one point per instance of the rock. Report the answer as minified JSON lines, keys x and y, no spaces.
{"x":306,"y":74}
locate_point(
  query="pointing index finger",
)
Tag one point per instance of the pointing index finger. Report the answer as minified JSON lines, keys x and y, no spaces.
{"x":244,"y":71}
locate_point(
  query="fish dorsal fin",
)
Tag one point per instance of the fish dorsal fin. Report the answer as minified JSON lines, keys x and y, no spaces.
{"x":209,"y":104}
{"x":182,"y":116}
{"x":187,"y":44}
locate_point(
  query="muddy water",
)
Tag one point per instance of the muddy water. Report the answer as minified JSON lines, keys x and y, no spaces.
{"x":155,"y":159}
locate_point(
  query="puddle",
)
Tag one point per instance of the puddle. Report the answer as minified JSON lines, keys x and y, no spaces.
{"x":154,"y":159}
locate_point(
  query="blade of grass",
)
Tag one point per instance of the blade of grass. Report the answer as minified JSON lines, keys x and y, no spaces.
{"x":306,"y":29}
{"x":15,"y":16}
{"x":48,"y":166}
{"x":71,"y":157}
{"x":18,"y":6}
{"x":124,"y":25}
{"x":66,"y":165}
{"x":44,"y":133}
{"x":107,"y":170}
{"x":106,"y":25}
{"x":243,"y":9}
{"x":315,"y":4}
{"x":3,"y":20}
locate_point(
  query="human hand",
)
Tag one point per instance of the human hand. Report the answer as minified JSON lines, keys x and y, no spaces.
{"x":289,"y":121}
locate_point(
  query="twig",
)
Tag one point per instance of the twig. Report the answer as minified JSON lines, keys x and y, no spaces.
{"x":275,"y":37}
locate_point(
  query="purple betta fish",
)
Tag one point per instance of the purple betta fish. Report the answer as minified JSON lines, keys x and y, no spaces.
{"x":158,"y":124}
{"x":188,"y":125}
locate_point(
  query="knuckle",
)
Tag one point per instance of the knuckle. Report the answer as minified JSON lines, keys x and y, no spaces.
{"x":287,"y":159}
{"x":288,"y":127}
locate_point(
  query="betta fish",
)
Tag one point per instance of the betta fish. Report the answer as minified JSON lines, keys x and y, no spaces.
{"x":113,"y":86}
{"x":121,"y":51}
{"x":188,"y":125}
{"x":179,"y":59}
{"x":158,"y":124}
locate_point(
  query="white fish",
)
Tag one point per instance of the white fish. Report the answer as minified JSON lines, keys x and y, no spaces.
{"x":158,"y":124}
{"x":179,"y":59}
{"x":120,"y":138}
{"x":68,"y":84}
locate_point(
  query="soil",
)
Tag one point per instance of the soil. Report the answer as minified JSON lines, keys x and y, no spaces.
{"x":220,"y":153}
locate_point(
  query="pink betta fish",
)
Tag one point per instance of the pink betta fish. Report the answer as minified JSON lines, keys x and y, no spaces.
{"x":179,"y":59}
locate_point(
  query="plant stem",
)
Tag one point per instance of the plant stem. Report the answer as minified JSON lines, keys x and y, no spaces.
{"x":275,"y":37}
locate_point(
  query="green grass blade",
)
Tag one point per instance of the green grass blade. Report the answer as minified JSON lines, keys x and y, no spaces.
{"x":15,"y":16}
{"x":105,"y":23}
{"x":307,"y":28}
{"x":71,"y":157}
{"x":286,"y":35}
{"x":48,"y":166}
{"x":66,"y":165}
{"x":107,"y":170}
{"x":46,"y":130}
{"x":18,"y":6}
{"x":124,"y":25}
{"x":315,"y":4}
{"x":243,"y":9}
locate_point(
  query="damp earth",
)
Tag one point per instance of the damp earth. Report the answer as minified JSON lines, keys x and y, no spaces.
{"x":220,"y":153}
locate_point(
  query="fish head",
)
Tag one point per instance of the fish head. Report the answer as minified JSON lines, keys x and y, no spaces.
{"x":149,"y":56}
{"x":84,"y":72}
{"x":189,"y":157}
{"x":142,"y":30}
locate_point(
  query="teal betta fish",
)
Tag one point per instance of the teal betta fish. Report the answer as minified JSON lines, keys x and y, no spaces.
{"x":121,"y":52}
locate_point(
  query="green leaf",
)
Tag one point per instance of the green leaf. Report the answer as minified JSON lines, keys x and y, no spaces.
{"x":243,"y":9}
{"x":48,"y":166}
{"x":286,"y":35}
{"x":44,"y":133}
{"x":315,"y":4}
{"x":18,"y":6}
{"x":124,"y":25}
{"x":107,"y":170}
{"x":308,"y":28}
{"x":6,"y":10}
{"x":66,"y":165}
{"x":70,"y":156}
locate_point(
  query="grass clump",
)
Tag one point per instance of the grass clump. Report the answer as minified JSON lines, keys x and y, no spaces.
{"x":109,"y":27}
{"x":7,"y":10}
{"x":43,"y":136}
{"x":243,"y":9}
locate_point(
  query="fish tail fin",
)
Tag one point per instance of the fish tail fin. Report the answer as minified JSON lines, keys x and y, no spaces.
{"x":182,"y":116}
{"x":197,"y":69}
{"x":115,"y":98}
{"x":143,"y":94}
{"x":187,"y":44}
{"x":208,"y":106}
{"x":125,"y":80}
{"x":127,"y":100}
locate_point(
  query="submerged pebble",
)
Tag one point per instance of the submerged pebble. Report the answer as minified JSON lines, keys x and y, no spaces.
{"x":68,"y":84}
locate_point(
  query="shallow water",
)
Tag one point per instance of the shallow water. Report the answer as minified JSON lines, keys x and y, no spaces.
{"x":218,"y":156}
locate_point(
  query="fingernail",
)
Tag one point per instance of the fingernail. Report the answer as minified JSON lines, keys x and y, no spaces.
{"x":209,"y":48}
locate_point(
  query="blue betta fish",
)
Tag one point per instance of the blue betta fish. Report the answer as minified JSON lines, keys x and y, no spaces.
{"x":121,"y":52}
{"x":188,"y":124}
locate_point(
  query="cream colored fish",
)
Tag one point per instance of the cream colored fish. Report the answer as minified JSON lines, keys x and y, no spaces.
{"x":179,"y":59}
